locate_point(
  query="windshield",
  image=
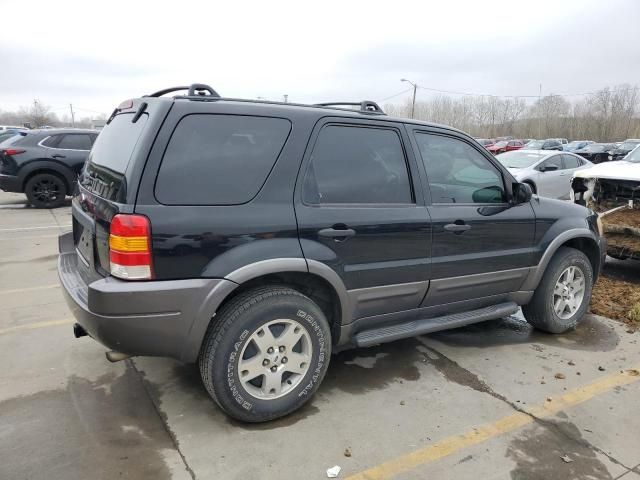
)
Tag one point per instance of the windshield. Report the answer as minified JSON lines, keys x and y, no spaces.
{"x":501,"y":144}
{"x":628,"y":146}
{"x":519,"y":159}
{"x":596,"y":148}
{"x":534,"y":145}
{"x":633,"y":156}
{"x":575,"y":144}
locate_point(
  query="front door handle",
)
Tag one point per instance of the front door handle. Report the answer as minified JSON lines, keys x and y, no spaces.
{"x":57,"y":155}
{"x":338,"y":234}
{"x":457,"y":227}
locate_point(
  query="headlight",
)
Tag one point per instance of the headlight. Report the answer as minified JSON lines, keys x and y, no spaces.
{"x":610,"y":157}
{"x":600,"y":227}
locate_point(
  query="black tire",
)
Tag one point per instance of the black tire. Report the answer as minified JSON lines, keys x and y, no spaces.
{"x":45,"y":190}
{"x":229,"y":338}
{"x":540,"y":311}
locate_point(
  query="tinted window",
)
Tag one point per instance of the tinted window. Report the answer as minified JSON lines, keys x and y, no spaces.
{"x":219,"y":159}
{"x":458,"y":173}
{"x":357,"y":165}
{"x":75,"y":141}
{"x":51,"y":141}
{"x":570,"y":161}
{"x":556,"y":161}
{"x":115,"y":144}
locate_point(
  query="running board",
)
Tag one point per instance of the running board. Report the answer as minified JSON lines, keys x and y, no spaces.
{"x":413,"y":328}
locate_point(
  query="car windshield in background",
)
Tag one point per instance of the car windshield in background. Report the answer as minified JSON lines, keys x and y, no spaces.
{"x":633,"y":156}
{"x":519,"y":159}
{"x":501,"y":144}
{"x":594,"y":148}
{"x":628,"y":146}
{"x":535,"y":145}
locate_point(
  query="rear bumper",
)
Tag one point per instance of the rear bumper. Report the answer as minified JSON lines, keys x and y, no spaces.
{"x":10,"y":183}
{"x":157,"y":318}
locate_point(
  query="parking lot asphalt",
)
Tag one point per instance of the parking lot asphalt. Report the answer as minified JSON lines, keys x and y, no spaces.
{"x":493,"y":400}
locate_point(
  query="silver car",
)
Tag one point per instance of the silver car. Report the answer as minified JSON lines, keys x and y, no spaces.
{"x":548,"y":172}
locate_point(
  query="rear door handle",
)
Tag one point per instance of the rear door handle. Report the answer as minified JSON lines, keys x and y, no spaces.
{"x":337,"y":234}
{"x":457,"y":227}
{"x":57,"y":155}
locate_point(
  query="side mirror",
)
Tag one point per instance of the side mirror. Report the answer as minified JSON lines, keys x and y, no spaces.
{"x":521,"y":193}
{"x":549,"y":168}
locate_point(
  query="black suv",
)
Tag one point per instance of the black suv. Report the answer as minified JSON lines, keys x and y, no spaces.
{"x":44,"y":164}
{"x":257,"y":238}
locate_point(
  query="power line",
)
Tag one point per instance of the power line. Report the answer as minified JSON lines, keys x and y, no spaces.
{"x":397,"y":94}
{"x":521,"y":96}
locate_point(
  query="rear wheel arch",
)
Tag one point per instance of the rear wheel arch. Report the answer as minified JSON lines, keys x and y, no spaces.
{"x":329,"y":293}
{"x":65,"y":174}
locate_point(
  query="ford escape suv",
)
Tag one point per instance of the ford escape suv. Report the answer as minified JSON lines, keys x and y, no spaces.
{"x":256,"y":238}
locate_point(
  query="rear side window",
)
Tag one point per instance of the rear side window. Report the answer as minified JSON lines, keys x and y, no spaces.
{"x":114,"y":146}
{"x":219,"y":159}
{"x":570,"y":161}
{"x":75,"y":141}
{"x":357,"y":165}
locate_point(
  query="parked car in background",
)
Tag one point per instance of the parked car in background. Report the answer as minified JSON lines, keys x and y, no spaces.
{"x":11,"y":127}
{"x":485,"y":142}
{"x":549,"y":144}
{"x":502,"y":139}
{"x":623,"y":149}
{"x":595,"y":152}
{"x":505,"y":146}
{"x":563,"y":141}
{"x":548,"y":173}
{"x":576,"y":145}
{"x":608,"y":189}
{"x":44,"y":164}
{"x":7,"y":134}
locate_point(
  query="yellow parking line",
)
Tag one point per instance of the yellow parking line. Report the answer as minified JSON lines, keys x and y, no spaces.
{"x":487,"y":431}
{"x":29,"y":289}
{"x":36,"y":325}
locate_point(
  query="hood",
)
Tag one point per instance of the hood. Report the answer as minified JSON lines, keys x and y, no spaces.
{"x":619,"y":170}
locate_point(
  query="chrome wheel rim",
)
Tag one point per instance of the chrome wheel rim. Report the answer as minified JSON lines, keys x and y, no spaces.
{"x":568,"y":293}
{"x":275,"y":359}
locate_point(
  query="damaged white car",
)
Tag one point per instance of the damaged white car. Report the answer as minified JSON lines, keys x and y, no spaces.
{"x":613,"y":190}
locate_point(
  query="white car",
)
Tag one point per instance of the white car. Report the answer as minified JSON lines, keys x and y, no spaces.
{"x":611,"y":189}
{"x":548,"y":172}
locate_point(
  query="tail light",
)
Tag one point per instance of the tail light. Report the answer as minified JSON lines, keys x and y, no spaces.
{"x":12,"y":151}
{"x":130,"y":247}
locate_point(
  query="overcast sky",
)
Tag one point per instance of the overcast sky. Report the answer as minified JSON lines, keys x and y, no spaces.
{"x":98,"y":53}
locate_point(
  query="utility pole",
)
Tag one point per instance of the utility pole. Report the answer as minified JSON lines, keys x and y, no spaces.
{"x":540,"y":113}
{"x":413,"y":101}
{"x":73,"y":118}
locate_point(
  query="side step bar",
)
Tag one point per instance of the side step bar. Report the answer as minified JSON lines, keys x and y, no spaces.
{"x":413,"y":328}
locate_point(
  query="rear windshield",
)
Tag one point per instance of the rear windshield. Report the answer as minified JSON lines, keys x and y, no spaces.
{"x":114,"y":146}
{"x":11,"y":139}
{"x":219,"y":159}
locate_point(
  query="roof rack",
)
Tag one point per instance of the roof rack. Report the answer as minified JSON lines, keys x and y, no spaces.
{"x":367,"y":106}
{"x":195,"y":89}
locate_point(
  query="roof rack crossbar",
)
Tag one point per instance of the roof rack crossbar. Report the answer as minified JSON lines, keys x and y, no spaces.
{"x":365,"y":105}
{"x":195,"y":89}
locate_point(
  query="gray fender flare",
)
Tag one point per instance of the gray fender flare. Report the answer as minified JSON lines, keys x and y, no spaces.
{"x":536,"y":273}
{"x":233,"y":280}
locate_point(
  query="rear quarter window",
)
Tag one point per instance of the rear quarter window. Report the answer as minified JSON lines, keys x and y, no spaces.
{"x":219,"y":159}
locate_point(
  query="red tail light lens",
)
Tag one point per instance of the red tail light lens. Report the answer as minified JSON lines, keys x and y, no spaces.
{"x":12,"y":151}
{"x":130,"y":247}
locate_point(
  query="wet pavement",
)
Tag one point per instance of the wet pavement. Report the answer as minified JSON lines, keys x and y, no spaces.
{"x":493,"y":400}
